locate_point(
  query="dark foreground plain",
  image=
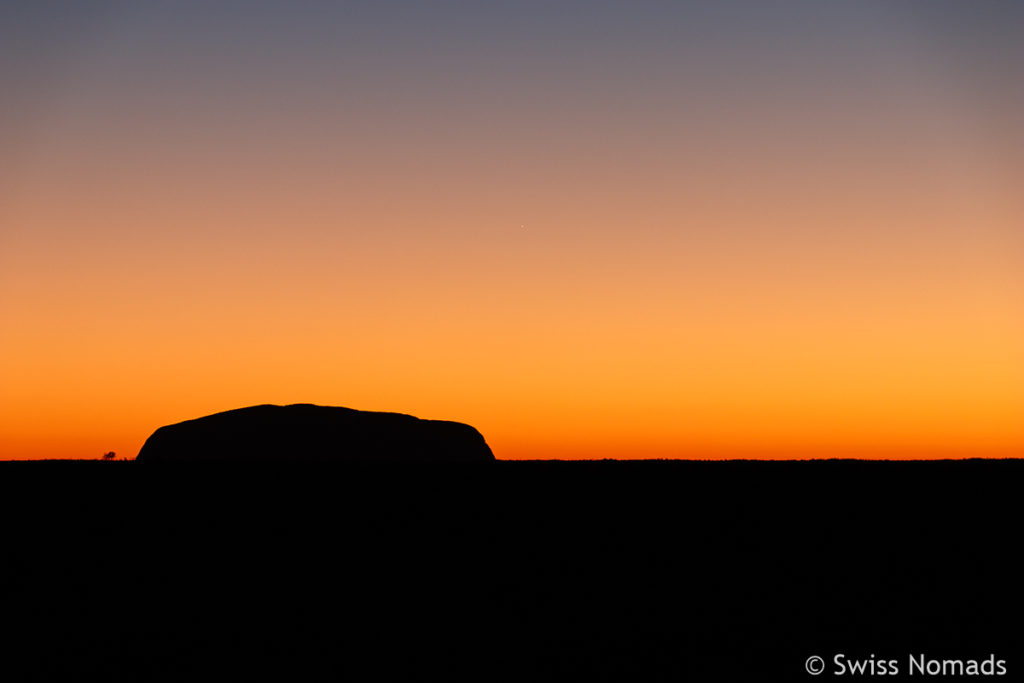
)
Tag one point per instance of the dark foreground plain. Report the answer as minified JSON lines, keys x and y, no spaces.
{"x":525,"y":571}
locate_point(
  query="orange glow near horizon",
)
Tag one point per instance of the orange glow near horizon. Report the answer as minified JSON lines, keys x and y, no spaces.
{"x":627,"y":368}
{"x":749,"y":257}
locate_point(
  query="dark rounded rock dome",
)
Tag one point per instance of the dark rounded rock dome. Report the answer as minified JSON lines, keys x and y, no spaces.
{"x":306,"y":432}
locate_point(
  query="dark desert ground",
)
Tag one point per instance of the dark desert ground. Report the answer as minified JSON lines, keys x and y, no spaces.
{"x":560,"y":571}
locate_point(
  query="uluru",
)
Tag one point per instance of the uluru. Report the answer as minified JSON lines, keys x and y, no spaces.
{"x":305,"y":432}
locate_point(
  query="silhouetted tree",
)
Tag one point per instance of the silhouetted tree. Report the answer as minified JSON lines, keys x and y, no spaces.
{"x":109,"y":455}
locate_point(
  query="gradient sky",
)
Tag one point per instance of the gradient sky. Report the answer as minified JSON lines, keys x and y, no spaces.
{"x":590,"y":229}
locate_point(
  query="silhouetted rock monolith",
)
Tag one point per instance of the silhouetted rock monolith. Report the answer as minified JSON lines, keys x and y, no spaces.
{"x":315,"y":433}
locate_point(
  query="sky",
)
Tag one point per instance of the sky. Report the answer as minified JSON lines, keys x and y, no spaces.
{"x":590,"y":229}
